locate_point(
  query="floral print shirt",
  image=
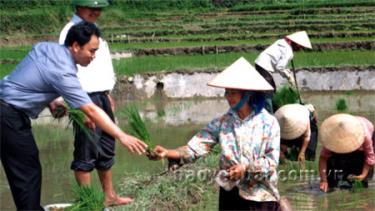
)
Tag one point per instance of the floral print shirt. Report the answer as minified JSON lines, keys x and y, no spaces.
{"x":253,"y":141}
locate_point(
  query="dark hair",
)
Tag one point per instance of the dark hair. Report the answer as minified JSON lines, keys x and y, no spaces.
{"x":257,"y":101}
{"x":81,"y":33}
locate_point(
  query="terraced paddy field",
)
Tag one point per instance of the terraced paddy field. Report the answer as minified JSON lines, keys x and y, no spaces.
{"x":151,"y":40}
{"x":149,"y":37}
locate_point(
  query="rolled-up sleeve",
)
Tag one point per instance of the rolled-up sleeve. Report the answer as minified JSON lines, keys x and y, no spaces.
{"x":202,"y":143}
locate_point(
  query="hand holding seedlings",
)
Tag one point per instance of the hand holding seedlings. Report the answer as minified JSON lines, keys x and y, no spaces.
{"x":58,"y":109}
{"x":160,"y":152}
{"x":138,"y":129}
{"x":133,"y":144}
{"x":352,"y":177}
{"x":89,"y":123}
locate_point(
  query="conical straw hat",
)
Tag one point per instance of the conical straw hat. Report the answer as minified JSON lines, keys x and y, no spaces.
{"x":293,"y":120}
{"x":301,"y":38}
{"x":341,"y":133}
{"x":241,"y":75}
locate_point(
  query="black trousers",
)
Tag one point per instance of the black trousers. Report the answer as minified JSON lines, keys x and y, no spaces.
{"x":97,"y":151}
{"x":231,"y":200}
{"x":20,"y":158}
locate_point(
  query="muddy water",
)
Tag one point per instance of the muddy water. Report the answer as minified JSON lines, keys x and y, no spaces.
{"x":171,"y":123}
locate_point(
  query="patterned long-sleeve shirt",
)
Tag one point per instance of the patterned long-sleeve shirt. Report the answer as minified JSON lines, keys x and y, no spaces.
{"x":253,"y":141}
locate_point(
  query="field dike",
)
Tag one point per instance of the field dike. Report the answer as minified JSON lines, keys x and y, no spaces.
{"x":360,"y":45}
{"x":194,"y":84}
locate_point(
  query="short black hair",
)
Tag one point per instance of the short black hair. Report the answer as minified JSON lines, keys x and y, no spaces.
{"x":81,"y":33}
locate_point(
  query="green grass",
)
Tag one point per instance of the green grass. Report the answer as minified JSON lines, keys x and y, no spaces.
{"x":190,"y":186}
{"x":150,"y":44}
{"x":173,"y":63}
{"x":16,"y":53}
{"x":216,"y":62}
{"x":334,"y":58}
{"x":5,"y":69}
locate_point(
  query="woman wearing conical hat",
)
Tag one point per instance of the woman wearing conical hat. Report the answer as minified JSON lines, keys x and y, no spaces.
{"x":249,"y":138}
{"x":276,"y":58}
{"x":347,"y":153}
{"x":299,"y":133}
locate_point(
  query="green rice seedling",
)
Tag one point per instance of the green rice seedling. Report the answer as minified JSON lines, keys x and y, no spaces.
{"x":138,"y":129}
{"x":357,"y":186}
{"x":349,"y":93}
{"x":78,"y":117}
{"x":88,"y":198}
{"x":285,"y":95}
{"x":341,"y":105}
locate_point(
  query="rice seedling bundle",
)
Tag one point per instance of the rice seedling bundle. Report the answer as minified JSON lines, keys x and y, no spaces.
{"x":138,"y":129}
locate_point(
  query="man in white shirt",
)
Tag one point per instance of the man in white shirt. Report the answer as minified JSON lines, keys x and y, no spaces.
{"x":97,"y":79}
{"x":276,"y":58}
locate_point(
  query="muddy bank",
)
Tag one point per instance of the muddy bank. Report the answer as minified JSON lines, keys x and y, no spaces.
{"x":188,"y":85}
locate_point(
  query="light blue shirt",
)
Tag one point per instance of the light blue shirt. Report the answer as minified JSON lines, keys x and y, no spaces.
{"x":47,"y":72}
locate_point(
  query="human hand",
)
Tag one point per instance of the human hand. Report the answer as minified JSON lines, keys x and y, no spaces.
{"x":89,"y":123}
{"x":352,"y":177}
{"x":292,"y":81}
{"x":133,"y":144}
{"x":301,"y":157}
{"x":323,"y":186}
{"x":236,"y":172}
{"x":161,"y":152}
{"x":57,"y":109}
{"x":289,"y":76}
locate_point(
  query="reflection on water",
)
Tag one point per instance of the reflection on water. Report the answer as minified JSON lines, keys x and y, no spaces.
{"x":172,"y":123}
{"x":201,"y":111}
{"x":307,"y":196}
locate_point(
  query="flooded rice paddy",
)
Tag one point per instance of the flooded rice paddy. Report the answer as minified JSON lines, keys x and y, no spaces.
{"x":172,"y":123}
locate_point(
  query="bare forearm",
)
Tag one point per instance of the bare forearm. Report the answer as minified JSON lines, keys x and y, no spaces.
{"x":102,"y":120}
{"x":304,"y":145}
{"x":365,"y":170}
{"x":173,"y":154}
{"x":323,"y":168}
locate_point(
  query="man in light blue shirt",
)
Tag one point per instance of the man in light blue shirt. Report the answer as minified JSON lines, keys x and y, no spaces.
{"x":47,"y":72}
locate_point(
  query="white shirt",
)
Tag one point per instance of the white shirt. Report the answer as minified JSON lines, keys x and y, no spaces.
{"x":276,"y":57}
{"x":99,"y":74}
